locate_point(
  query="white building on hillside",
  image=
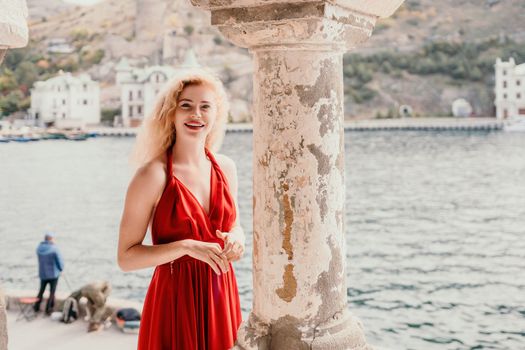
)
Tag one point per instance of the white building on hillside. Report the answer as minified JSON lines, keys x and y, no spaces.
{"x":509,"y":89}
{"x":66,"y":101}
{"x":140,"y":86}
{"x":59,"y":45}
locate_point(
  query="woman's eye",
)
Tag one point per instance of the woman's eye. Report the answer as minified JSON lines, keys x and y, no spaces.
{"x":184,"y":105}
{"x":206,"y":106}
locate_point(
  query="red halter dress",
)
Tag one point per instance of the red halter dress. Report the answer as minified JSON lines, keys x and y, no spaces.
{"x":187,"y":305}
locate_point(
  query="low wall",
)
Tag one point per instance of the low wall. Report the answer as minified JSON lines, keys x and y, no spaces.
{"x":427,"y":123}
{"x":424,"y":124}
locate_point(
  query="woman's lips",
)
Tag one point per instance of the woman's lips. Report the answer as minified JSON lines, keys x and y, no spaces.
{"x":193,"y":126}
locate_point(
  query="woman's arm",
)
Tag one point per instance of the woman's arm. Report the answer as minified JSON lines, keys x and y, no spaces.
{"x":235,"y":239}
{"x":143,"y":192}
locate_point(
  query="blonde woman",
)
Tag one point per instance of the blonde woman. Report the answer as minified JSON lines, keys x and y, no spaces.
{"x":186,"y":193}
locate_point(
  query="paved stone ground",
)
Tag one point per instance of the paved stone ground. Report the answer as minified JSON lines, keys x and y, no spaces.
{"x":43,"y":333}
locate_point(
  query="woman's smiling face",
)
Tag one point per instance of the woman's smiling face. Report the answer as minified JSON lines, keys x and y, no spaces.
{"x":196,"y":111}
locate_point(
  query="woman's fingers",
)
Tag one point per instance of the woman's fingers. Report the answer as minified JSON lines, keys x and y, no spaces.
{"x":213,"y":265}
{"x":236,"y":257}
{"x":231,"y":256}
{"x":227,"y":249}
{"x":221,"y":262}
{"x":239,"y":247}
{"x":221,"y":235}
{"x":236,"y":252}
{"x":240,"y":252}
{"x":216,"y":248}
{"x":226,"y":262}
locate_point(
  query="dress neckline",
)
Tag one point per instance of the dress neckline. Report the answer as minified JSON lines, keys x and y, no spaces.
{"x":210,"y":199}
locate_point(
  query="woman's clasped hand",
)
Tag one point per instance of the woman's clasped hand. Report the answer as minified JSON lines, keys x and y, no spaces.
{"x":233,"y":244}
{"x":211,"y":253}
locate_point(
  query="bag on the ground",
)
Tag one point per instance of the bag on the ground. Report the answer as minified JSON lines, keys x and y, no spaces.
{"x":70,"y":310}
{"x":128,"y":314}
{"x":128,"y":320}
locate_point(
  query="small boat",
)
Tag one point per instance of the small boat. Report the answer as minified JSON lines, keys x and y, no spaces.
{"x":53,"y":133}
{"x":26,"y":136}
{"x":76,"y":136}
{"x":54,"y":136}
{"x":21,"y":139}
{"x":92,"y":134}
{"x":34,"y":137}
{"x":515,"y":124}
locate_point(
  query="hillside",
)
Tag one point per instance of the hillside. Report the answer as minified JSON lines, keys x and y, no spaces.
{"x":468,"y":35}
{"x":420,"y":21}
{"x":160,"y":31}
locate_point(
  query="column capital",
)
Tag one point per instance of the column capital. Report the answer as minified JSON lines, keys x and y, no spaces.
{"x":318,"y":25}
{"x":13,"y":24}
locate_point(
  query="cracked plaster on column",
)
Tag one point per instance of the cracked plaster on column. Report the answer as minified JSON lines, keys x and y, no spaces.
{"x":279,"y":69}
{"x":290,"y":47}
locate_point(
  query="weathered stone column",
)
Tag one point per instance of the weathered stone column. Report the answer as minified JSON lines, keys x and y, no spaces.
{"x":13,"y":33}
{"x":13,"y":25}
{"x":299,"y":189}
{"x":3,"y":321}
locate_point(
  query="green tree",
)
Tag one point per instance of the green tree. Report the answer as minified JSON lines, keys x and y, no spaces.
{"x":386,"y":67}
{"x":7,"y":81}
{"x":97,"y":56}
{"x":108,"y":114}
{"x":188,"y":29}
{"x":10,"y":103}
{"x":14,"y":57}
{"x":79,"y":34}
{"x":24,"y":104}
{"x":87,"y":59}
{"x":217,"y":40}
{"x":68,"y":65}
{"x":26,"y":73}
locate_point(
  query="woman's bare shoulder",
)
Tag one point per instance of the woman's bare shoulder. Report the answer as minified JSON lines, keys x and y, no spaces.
{"x":152,"y":174}
{"x":226,"y":163}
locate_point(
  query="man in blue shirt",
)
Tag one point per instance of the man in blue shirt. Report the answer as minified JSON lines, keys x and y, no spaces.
{"x":50,"y":264}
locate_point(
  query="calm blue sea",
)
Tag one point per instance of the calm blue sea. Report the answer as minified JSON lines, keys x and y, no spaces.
{"x":435,"y":229}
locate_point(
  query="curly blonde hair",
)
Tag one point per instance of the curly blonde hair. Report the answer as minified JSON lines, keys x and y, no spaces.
{"x":157,"y":131}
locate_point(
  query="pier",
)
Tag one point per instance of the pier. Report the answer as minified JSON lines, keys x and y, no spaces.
{"x":425,"y":124}
{"x":404,"y":124}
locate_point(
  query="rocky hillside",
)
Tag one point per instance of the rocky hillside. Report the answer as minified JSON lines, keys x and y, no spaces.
{"x":420,"y":21}
{"x":160,"y":31}
{"x":449,"y":47}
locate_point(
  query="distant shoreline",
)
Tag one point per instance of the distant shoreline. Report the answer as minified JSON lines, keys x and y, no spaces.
{"x":436,"y":123}
{"x":426,"y":123}
{"x":397,"y":124}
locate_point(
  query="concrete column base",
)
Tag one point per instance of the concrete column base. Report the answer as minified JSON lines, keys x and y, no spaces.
{"x":342,"y":332}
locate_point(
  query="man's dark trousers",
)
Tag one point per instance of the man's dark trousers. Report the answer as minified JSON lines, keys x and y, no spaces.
{"x":51,"y":301}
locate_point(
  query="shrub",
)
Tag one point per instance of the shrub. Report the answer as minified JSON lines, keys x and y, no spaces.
{"x":108,"y":114}
{"x":217,"y":40}
{"x":11,"y":102}
{"x":413,"y":22}
{"x":381,"y":27}
{"x":188,"y":29}
{"x":26,"y":73}
{"x":79,"y":34}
